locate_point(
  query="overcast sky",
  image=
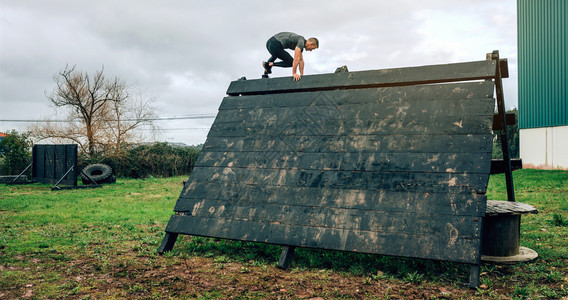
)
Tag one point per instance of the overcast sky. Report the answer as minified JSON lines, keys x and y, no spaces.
{"x":185,"y":53}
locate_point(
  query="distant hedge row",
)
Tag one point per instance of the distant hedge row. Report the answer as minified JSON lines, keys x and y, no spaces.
{"x":157,"y":160}
{"x":15,"y":153}
{"x":141,"y":161}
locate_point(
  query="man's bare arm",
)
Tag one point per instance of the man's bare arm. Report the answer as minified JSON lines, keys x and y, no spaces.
{"x":298,"y":61}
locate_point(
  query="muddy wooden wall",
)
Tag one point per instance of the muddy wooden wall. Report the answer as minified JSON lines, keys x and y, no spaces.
{"x":384,"y":161}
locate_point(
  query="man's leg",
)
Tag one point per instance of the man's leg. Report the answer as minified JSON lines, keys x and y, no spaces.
{"x":276,"y":51}
{"x":272,"y":44}
{"x":286,"y":59}
{"x":267,"y":65}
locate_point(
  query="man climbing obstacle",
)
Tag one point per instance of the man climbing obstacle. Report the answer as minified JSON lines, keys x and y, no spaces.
{"x":292,"y":41}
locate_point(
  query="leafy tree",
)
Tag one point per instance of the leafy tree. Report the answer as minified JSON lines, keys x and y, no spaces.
{"x":15,"y":153}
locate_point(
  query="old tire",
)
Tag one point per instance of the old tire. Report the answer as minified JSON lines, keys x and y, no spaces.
{"x":100,"y":173}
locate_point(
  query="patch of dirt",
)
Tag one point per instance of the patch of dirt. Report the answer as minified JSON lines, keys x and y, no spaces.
{"x":130,"y":276}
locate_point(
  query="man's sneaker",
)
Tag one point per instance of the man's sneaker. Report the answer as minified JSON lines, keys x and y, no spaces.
{"x":267,"y":67}
{"x":265,"y":75}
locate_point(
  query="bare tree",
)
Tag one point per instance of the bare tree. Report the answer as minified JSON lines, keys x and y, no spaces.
{"x":121,"y":118}
{"x":58,"y":132}
{"x":102,"y":115}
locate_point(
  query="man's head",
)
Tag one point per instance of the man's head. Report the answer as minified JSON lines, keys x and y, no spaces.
{"x":311,"y":44}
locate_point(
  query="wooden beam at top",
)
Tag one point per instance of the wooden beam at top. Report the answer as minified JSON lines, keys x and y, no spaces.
{"x":477,"y":70}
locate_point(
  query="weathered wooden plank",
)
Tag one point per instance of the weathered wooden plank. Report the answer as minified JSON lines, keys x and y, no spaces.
{"x":398,"y":95}
{"x":372,"y":162}
{"x":366,"y":79}
{"x":510,"y":119}
{"x":370,"y":110}
{"x":448,"y":244}
{"x":372,"y":198}
{"x":398,"y":181}
{"x":50,"y":162}
{"x":408,"y":143}
{"x":498,"y":165}
{"x":320,"y":110}
{"x":59,"y":166}
{"x":38,"y":165}
{"x":501,"y":208}
{"x":363,"y":199}
{"x":403,"y":219}
{"x":343,"y":218}
{"x":72,"y":153}
{"x":390,"y":125}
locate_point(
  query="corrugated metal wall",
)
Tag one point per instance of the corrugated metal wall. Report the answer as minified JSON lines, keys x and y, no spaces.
{"x":543,"y":62}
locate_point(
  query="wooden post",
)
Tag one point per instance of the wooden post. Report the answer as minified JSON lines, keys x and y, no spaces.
{"x":286,"y":257}
{"x":474,"y":276}
{"x":503,"y":131}
{"x":168,"y":242}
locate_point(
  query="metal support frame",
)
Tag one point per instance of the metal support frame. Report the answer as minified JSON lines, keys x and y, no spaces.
{"x":24,"y":171}
{"x":89,"y":177}
{"x":94,"y":185}
{"x":61,"y":179}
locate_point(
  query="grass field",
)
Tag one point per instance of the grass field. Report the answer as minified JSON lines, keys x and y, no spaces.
{"x":101,"y":243}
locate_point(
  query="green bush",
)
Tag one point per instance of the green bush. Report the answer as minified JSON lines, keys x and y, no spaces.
{"x":157,"y":160}
{"x":15,"y":153}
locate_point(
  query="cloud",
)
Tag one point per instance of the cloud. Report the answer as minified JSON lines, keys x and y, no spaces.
{"x":185,"y":53}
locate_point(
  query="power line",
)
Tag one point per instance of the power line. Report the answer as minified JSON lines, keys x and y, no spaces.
{"x":182,"y":118}
{"x":188,"y":117}
{"x":174,"y":129}
{"x":36,"y":121}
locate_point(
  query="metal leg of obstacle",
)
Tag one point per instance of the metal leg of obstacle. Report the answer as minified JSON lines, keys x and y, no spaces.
{"x":20,"y":175}
{"x":61,"y":179}
{"x":90,"y":178}
{"x":168,"y":242}
{"x":57,"y":187}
